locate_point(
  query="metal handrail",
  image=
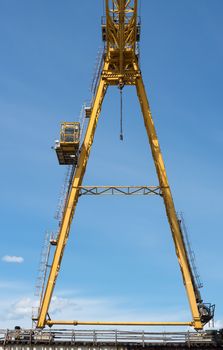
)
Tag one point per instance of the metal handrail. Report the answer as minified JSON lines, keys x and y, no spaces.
{"x":25,"y":336}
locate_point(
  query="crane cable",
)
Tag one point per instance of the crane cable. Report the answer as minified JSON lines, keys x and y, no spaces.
{"x":121,"y":113}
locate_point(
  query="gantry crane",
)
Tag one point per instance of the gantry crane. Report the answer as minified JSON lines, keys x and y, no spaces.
{"x":120,"y":67}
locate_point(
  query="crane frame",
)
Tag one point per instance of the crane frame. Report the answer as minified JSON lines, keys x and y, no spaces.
{"x":120,"y":68}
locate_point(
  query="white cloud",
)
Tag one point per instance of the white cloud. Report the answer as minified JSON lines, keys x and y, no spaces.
{"x":13,"y":259}
{"x":20,"y":309}
{"x":82,"y":308}
{"x":59,"y":304}
{"x":218,"y":324}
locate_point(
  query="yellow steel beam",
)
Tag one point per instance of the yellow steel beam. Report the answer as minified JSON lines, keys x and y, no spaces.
{"x":72,"y":202}
{"x":168,"y":201}
{"x":121,"y":32}
{"x":113,"y":323}
{"x":121,"y":28}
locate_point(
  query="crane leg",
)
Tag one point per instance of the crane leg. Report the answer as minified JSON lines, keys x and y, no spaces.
{"x":168,"y":201}
{"x":71,"y":202}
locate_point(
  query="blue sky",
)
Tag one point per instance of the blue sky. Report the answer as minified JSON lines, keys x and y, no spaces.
{"x":119,"y":262}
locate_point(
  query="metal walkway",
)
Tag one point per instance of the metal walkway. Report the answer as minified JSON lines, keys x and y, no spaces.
{"x":65,"y":339}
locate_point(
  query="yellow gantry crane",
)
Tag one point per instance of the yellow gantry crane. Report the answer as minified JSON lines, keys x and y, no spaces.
{"x":120,"y":67}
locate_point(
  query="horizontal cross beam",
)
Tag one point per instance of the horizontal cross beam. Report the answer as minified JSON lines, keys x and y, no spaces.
{"x":114,"y":323}
{"x":119,"y":190}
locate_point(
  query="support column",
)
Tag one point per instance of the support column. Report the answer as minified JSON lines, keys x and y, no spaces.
{"x":72,"y":202}
{"x":168,"y":201}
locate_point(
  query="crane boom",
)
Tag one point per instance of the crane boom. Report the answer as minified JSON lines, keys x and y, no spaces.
{"x":121,"y":34}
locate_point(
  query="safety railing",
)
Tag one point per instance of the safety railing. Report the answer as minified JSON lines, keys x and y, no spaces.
{"x":106,"y":337}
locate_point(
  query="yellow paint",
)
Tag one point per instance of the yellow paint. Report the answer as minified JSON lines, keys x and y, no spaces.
{"x":121,"y":68}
